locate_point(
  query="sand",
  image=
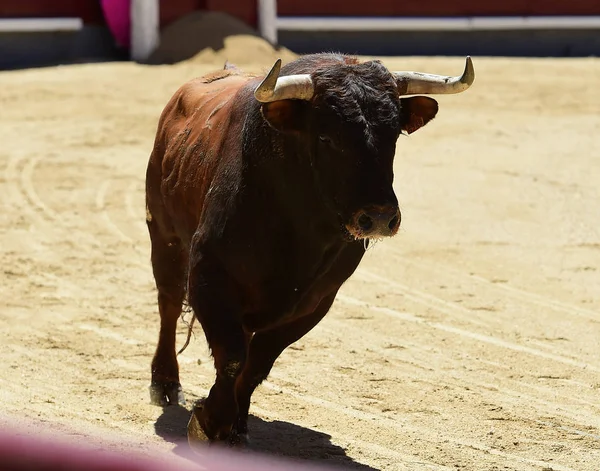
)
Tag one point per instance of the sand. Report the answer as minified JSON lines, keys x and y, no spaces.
{"x":469,"y":341}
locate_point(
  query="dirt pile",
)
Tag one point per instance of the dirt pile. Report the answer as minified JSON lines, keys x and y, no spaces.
{"x":213,"y":37}
{"x":244,"y":50}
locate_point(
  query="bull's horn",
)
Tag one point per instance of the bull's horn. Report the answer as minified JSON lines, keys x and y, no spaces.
{"x":289,"y":87}
{"x":410,"y":83}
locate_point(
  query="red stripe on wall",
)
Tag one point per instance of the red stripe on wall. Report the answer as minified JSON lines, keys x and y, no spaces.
{"x":436,"y":7}
{"x":89,"y":11}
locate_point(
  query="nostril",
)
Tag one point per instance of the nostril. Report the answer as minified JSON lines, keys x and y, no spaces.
{"x":365,"y":222}
{"x":393,"y":222}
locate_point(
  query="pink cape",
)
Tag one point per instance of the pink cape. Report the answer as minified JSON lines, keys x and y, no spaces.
{"x":118,"y":18}
{"x":24,"y":450}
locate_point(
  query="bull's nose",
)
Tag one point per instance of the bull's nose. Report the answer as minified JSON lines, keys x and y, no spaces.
{"x":382,"y":221}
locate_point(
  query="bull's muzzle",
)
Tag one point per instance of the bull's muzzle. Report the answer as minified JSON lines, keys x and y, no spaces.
{"x":375,"y":221}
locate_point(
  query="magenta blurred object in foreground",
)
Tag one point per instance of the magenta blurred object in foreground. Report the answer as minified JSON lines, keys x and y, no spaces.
{"x":23,"y":450}
{"x":118,"y":18}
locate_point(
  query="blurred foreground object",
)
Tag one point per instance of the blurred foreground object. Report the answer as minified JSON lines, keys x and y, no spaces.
{"x":23,"y":450}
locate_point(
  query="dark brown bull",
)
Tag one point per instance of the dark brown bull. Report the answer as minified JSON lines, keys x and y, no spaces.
{"x":261,"y":197}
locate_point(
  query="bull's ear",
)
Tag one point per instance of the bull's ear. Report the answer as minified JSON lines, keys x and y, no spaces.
{"x":286,"y":116}
{"x":417,"y":111}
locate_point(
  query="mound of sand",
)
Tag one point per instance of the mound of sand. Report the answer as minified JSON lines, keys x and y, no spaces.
{"x":213,"y":37}
{"x":244,"y":50}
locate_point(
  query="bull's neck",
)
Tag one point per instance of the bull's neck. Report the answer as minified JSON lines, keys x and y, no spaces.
{"x":281,"y":170}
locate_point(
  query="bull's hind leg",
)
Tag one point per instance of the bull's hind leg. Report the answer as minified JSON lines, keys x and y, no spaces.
{"x":263,"y":350}
{"x":212,"y":296}
{"x":169,"y":266}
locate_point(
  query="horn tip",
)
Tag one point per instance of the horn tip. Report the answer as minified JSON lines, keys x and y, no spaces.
{"x":277,"y":65}
{"x":275,"y":69}
{"x":265,"y":89}
{"x":468,"y":76}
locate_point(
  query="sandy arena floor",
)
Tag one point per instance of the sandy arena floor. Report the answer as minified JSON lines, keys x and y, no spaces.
{"x":469,"y":341}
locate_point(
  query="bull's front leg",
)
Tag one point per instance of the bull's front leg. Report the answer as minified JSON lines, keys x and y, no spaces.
{"x":213,"y":298}
{"x":263,"y":349}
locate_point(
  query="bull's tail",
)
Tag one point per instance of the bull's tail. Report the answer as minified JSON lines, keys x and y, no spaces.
{"x":190,"y":325}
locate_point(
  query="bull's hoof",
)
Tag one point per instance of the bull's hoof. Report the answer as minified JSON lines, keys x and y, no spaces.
{"x":197,"y":436}
{"x":195,"y":433}
{"x":166,"y":394}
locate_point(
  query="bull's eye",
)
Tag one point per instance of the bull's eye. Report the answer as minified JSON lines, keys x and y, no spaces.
{"x":324,"y":139}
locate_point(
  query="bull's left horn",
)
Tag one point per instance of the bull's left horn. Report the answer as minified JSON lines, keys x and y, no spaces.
{"x":410,"y":83}
{"x":289,"y":87}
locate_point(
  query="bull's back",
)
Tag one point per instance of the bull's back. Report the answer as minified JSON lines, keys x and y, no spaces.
{"x":197,"y":137}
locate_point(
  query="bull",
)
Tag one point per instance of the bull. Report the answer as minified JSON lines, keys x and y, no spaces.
{"x":262,"y":194}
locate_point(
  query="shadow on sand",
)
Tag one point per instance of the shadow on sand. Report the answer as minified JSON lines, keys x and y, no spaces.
{"x":277,"y":438}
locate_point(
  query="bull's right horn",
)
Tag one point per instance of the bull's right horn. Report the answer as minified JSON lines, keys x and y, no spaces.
{"x":410,"y":83}
{"x":289,"y":87}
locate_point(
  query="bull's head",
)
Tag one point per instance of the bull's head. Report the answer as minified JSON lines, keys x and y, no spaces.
{"x":348,"y":115}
